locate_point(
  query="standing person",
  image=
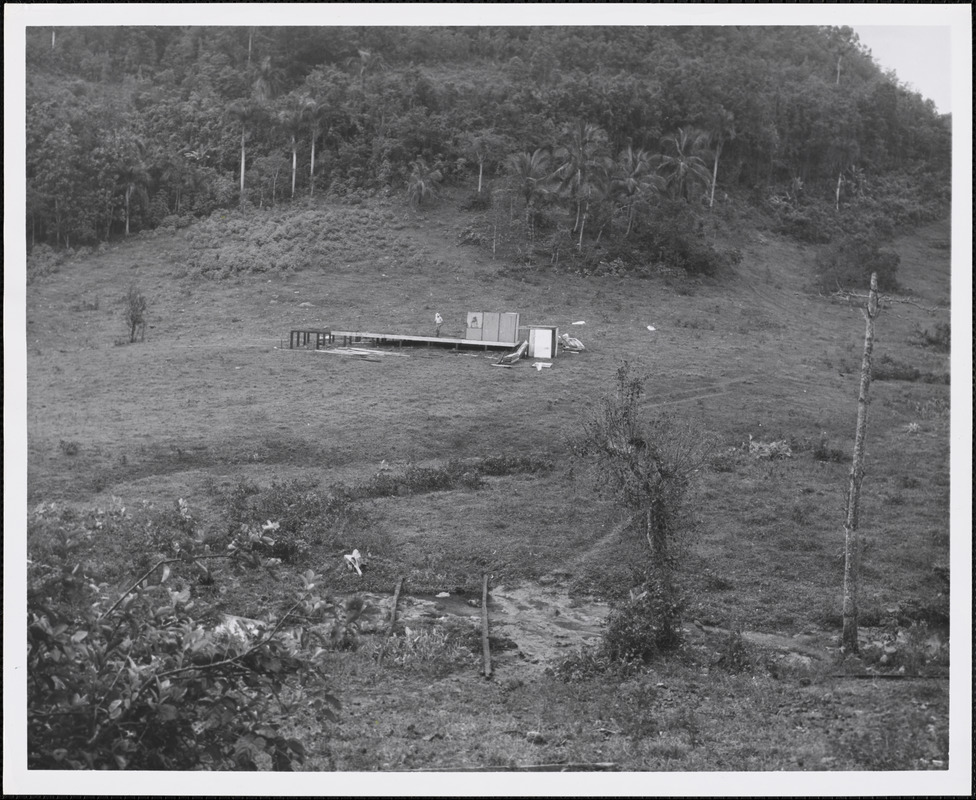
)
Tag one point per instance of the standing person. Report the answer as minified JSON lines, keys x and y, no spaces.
{"x":438,"y":321}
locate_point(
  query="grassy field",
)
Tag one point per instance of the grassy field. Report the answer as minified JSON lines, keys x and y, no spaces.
{"x":213,"y":400}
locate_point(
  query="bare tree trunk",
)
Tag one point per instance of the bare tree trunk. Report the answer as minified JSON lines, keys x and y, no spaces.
{"x":840,"y":180}
{"x":294,"y":165}
{"x":311,"y":170}
{"x":851,"y":539}
{"x":839,"y":58}
{"x":243,"y":133}
{"x":718,"y":152}
{"x":481,"y":169}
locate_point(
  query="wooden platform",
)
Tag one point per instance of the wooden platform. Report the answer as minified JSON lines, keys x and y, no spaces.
{"x":352,"y":337}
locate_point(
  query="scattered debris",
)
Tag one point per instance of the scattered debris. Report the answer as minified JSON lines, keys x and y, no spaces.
{"x":770,"y":450}
{"x":581,"y":322}
{"x":651,"y":328}
{"x":511,"y":358}
{"x":535,"y":737}
{"x":571,"y":344}
{"x":362,"y":352}
{"x":353,"y":561}
{"x":442,"y":594}
{"x":539,"y":366}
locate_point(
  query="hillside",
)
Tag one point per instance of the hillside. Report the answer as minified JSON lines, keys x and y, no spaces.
{"x":212,"y":408}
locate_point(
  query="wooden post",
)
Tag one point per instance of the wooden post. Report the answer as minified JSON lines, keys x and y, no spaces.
{"x":851,"y":542}
{"x":486,"y":649}
{"x":396,"y":597}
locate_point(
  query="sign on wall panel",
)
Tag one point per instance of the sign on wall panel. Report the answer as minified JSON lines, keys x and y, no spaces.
{"x":474,"y":319}
{"x":489,"y":326}
{"x":508,"y":327}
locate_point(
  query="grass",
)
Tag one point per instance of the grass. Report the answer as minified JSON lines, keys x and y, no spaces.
{"x":479,"y":478}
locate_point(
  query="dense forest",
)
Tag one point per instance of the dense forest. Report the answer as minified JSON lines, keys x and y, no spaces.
{"x":590,"y":131}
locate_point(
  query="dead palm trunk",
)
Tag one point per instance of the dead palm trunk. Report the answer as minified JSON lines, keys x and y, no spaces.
{"x":851,"y":541}
{"x":718,"y":152}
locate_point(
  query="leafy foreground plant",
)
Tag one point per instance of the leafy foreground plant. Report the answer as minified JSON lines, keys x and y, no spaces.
{"x":647,"y":466}
{"x":144,"y":685}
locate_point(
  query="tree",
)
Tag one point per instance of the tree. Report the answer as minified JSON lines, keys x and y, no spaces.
{"x":314,"y":113}
{"x":291,"y":121}
{"x":423,"y":183}
{"x":583,"y":168}
{"x":530,"y":174}
{"x":247,"y":113}
{"x":134,"y":306}
{"x":267,"y":82}
{"x":721,"y":128}
{"x":133,"y":180}
{"x":851,"y":536}
{"x":365,"y":62}
{"x":485,"y":146}
{"x":682,"y":168}
{"x":634,"y":180}
{"x":648,"y":466}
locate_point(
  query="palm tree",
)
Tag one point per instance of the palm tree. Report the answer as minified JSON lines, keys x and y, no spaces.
{"x":423,"y":182}
{"x":682,"y":168}
{"x":721,"y":129}
{"x":267,"y":82}
{"x":635,"y":179}
{"x":485,"y":147}
{"x":530,"y":174}
{"x":314,"y":113}
{"x":291,"y":120}
{"x":583,"y":168}
{"x":247,"y":113}
{"x":132,"y":178}
{"x":366,"y":62}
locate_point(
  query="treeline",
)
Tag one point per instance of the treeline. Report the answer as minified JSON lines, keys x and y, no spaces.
{"x":135,"y":127}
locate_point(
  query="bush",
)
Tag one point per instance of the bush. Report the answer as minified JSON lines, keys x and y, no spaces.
{"x":675,"y":239}
{"x":141,"y":682}
{"x":134,"y":307}
{"x":848,"y":264}
{"x":812,"y":224}
{"x":940,"y":340}
{"x":645,"y":626}
{"x":44,"y":260}
{"x":890,"y":369}
{"x":291,"y":513}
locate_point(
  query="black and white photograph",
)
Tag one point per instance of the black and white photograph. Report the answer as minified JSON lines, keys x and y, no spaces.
{"x":488,"y":400}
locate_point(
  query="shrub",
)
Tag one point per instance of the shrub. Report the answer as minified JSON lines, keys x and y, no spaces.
{"x":940,"y":340}
{"x":812,"y":224}
{"x":645,"y":626}
{"x":822,"y":452}
{"x":44,"y":260}
{"x":141,"y":682}
{"x":476,"y":201}
{"x":291,"y":513}
{"x":675,"y":239}
{"x":134,"y":307}
{"x":848,"y":264}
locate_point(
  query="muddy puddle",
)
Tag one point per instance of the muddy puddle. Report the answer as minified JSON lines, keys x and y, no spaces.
{"x":530,"y":624}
